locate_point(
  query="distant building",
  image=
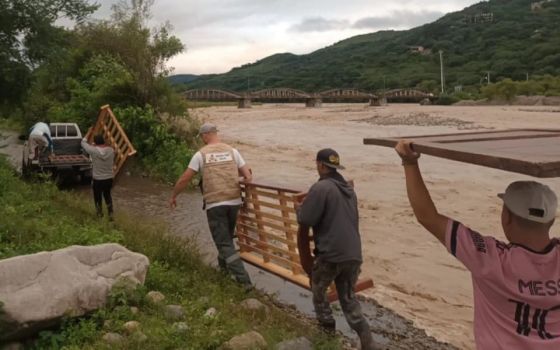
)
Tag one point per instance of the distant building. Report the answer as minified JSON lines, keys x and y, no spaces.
{"x":420,"y":50}
{"x":536,"y":6}
{"x":487,"y":17}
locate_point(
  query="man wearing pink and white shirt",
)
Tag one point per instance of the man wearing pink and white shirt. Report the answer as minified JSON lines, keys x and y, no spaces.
{"x":516,"y":285}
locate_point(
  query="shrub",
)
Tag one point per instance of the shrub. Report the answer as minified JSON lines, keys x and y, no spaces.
{"x":161,"y":150}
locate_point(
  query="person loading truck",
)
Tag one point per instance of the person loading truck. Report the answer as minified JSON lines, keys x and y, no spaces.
{"x":40,"y":139}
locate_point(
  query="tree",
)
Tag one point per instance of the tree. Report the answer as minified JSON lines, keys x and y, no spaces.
{"x":28,"y":35}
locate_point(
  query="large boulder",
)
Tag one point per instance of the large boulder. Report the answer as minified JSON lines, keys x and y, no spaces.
{"x":38,"y":290}
{"x":247,"y":341}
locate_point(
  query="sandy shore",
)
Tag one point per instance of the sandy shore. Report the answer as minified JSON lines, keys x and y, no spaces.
{"x":414,"y":274}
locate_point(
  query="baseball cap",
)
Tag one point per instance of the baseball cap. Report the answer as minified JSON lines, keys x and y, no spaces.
{"x":207,"y":128}
{"x":531,"y":200}
{"x":330,"y":158}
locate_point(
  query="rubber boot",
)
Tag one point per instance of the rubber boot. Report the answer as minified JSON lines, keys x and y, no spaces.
{"x":366,"y":339}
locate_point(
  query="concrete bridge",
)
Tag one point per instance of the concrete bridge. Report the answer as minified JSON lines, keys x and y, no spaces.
{"x":310,"y":99}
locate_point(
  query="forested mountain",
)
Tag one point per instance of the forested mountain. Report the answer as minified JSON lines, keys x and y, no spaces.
{"x":507,"y":38}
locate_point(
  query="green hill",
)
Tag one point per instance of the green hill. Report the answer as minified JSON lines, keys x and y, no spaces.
{"x":182,"y":78}
{"x":507,"y":38}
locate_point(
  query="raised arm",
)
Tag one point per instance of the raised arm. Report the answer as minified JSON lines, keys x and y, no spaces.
{"x":424,"y":208}
{"x":88,"y":148}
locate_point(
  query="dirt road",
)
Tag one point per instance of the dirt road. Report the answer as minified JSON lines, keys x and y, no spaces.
{"x":414,"y":274}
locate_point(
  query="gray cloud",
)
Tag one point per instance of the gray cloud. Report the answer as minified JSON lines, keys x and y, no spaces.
{"x":221,"y":34}
{"x":320,"y":24}
{"x":401,"y":18}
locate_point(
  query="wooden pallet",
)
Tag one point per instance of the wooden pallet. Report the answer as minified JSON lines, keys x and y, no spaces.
{"x":267,"y":231}
{"x":108,"y":125}
{"x":526,"y":151}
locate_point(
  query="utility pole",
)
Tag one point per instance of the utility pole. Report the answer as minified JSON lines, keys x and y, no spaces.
{"x":441,"y":69}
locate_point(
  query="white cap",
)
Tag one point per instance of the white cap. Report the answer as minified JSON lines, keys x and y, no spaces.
{"x":531,"y":200}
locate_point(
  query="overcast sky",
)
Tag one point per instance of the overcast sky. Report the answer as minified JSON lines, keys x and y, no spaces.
{"x":222,"y":34}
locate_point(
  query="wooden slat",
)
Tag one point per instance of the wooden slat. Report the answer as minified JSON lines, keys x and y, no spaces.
{"x":246,"y":228}
{"x":262,"y":223}
{"x":263,"y":238}
{"x":287,"y":220}
{"x":527,"y":151}
{"x":257,"y":203}
{"x":275,"y":248}
{"x":287,"y":226}
{"x":267,"y":256}
{"x":278,"y":196}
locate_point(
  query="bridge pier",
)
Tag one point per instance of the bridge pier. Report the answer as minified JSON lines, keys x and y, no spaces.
{"x":244,"y":102}
{"x":377,"y":101}
{"x":313,"y":102}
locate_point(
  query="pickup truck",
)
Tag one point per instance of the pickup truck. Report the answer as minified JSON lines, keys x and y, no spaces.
{"x":69,"y":157}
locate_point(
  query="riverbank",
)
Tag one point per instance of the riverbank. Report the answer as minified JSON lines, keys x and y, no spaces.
{"x":413,"y":274}
{"x":36,"y":217}
{"x":137,"y":196}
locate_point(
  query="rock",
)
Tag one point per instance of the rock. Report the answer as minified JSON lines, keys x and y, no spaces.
{"x":180,"y":327}
{"x":211,"y":312}
{"x":108,"y":324}
{"x":254,"y":305}
{"x":174,"y":312}
{"x":77,"y":280}
{"x":138,"y":337}
{"x":301,"y":343}
{"x":246,"y":341}
{"x":131,"y":327}
{"x":13,"y":346}
{"x":134,"y":310}
{"x":113,"y":338}
{"x":155,"y":297}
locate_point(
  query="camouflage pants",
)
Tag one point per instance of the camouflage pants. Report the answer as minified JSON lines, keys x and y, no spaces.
{"x":345,"y":275}
{"x":222,"y":220}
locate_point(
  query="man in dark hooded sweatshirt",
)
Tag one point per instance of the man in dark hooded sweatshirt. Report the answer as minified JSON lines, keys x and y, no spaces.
{"x":331,"y":209}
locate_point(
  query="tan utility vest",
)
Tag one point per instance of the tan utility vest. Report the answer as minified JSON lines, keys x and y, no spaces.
{"x":220,"y":177}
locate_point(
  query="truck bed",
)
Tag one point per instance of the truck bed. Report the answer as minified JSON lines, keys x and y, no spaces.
{"x":67,"y":147}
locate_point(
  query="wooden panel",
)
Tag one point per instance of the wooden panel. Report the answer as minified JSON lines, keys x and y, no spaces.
{"x":108,"y":125}
{"x":267,"y":233}
{"x":532,"y":152}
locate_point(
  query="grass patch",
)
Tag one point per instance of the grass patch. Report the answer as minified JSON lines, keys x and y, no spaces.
{"x":36,"y":217}
{"x":10,"y":124}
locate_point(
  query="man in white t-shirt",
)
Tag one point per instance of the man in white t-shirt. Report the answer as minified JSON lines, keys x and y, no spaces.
{"x":220,"y":166}
{"x":40,"y":139}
